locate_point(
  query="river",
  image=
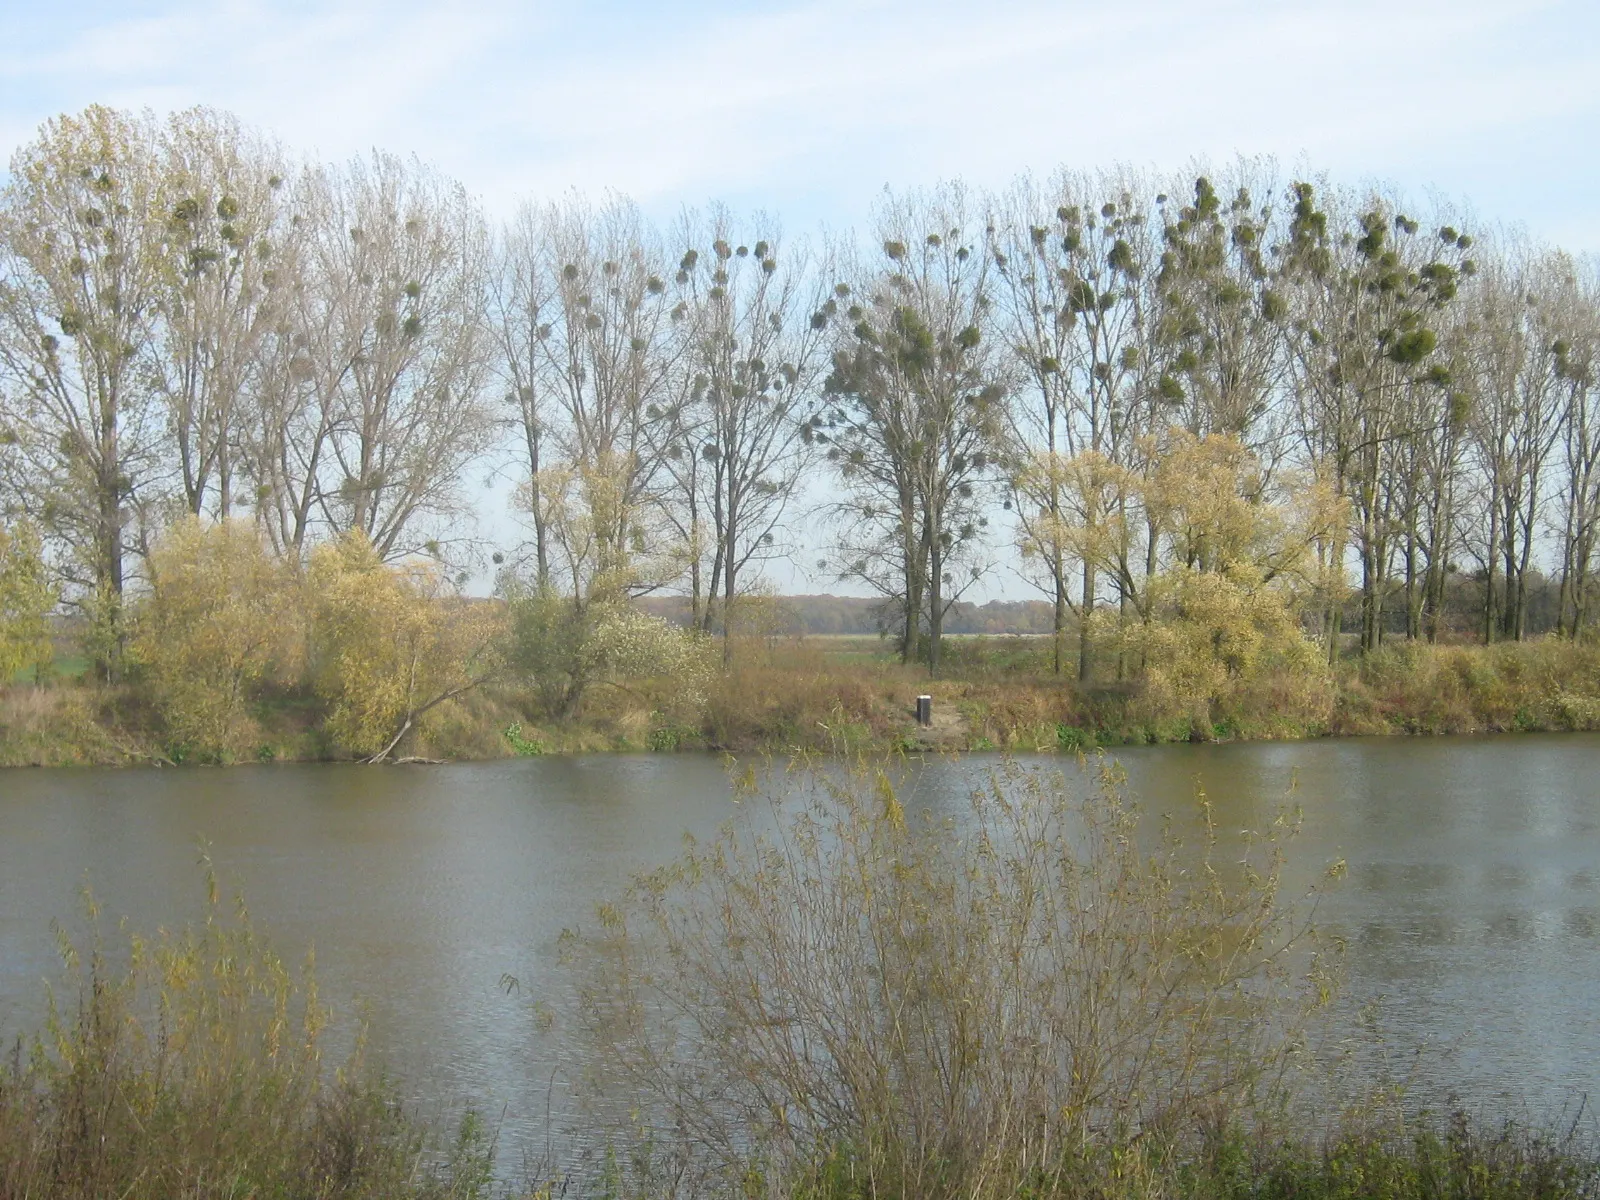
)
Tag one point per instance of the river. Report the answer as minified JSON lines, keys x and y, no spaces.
{"x":1471,"y":907}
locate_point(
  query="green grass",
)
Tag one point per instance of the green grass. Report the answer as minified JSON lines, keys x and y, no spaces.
{"x":1450,"y":1158}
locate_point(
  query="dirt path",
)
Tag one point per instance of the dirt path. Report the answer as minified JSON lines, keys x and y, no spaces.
{"x":948,"y":730}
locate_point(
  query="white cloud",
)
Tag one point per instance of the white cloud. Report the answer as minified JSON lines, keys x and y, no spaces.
{"x":822,"y":102}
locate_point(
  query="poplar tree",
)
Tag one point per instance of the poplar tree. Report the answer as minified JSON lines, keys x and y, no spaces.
{"x":916,"y":415}
{"x":1577,"y":366}
{"x":601,"y":361}
{"x":221,"y":292}
{"x":81,"y":243}
{"x":748,"y":377}
{"x":1070,"y":259}
{"x":1368,"y":291}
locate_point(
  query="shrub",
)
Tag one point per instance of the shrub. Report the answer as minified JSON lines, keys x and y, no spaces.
{"x":564,"y":648}
{"x":1213,"y":641}
{"x":26,"y":599}
{"x":219,"y":617}
{"x":196,"y":1071}
{"x":939,"y":1011}
{"x":390,"y":643}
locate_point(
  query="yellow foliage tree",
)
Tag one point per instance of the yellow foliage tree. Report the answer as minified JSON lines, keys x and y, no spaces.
{"x":391,"y":642}
{"x":1237,"y":556}
{"x":26,"y":598}
{"x":1071,"y":508}
{"x":580,"y":629}
{"x":600,"y":536}
{"x":1216,"y":510}
{"x":1071,"y":520}
{"x":219,"y":616}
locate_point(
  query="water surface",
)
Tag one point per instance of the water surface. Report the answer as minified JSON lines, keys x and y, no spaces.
{"x":1472,"y":906}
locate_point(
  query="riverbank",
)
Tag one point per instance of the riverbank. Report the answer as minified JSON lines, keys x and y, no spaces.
{"x":220,"y":1113}
{"x":848,"y":695}
{"x":352,"y":1141}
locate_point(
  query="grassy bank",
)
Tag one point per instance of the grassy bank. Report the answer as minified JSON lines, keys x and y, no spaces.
{"x":850,"y":694}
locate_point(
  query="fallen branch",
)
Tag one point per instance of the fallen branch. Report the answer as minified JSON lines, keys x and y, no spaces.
{"x":411,"y":719}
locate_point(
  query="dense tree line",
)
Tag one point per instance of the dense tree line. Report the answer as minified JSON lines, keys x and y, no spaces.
{"x":1163,"y":394}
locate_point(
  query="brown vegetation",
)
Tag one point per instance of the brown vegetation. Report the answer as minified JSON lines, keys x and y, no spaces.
{"x":842,"y":695}
{"x":197,"y":1070}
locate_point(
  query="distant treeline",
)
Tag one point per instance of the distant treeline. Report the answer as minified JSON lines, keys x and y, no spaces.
{"x":831,"y":615}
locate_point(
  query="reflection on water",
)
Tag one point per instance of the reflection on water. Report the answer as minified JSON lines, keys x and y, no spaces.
{"x":1472,"y":906}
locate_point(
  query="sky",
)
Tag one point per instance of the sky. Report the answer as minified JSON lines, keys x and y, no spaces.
{"x":808,"y":110}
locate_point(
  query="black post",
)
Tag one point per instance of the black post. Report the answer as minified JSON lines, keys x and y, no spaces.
{"x":924,"y":710}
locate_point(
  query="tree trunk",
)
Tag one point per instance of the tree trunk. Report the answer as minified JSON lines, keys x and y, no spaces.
{"x":930,"y":535}
{"x":1059,"y":624}
{"x":109,"y":568}
{"x":1491,"y":563}
{"x":1085,"y":608}
{"x":729,"y":580}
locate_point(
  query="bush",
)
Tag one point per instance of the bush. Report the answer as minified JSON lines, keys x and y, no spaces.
{"x":940,"y":1012}
{"x":1213,"y":642}
{"x":220,"y":616}
{"x":391,"y":643}
{"x":26,"y":599}
{"x":197,"y":1071}
{"x":564,"y":648}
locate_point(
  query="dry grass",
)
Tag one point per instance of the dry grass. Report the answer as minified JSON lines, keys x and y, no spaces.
{"x":803,"y":696}
{"x":67,"y":725}
{"x":196,"y":1071}
{"x":797,"y":697}
{"x":1544,"y":684}
{"x":835,"y":696}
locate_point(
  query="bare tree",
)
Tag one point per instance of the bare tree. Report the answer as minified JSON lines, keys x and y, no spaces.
{"x":1366,"y":292}
{"x":222,"y":292}
{"x":748,"y":378}
{"x":408,"y":258}
{"x":1515,"y":424}
{"x":600,"y":360}
{"x":520,"y":303}
{"x":1069,"y":259}
{"x":368,"y":390}
{"x":1218,"y":314}
{"x":1432,"y":472}
{"x":297,"y":376}
{"x":916,"y":413}
{"x":1577,"y":363}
